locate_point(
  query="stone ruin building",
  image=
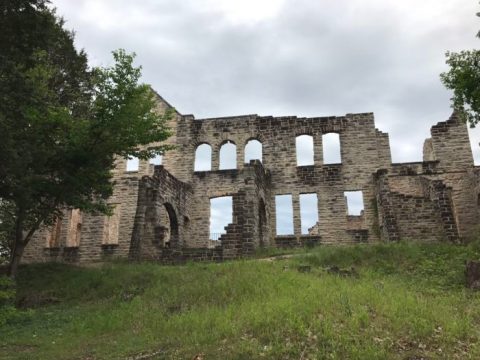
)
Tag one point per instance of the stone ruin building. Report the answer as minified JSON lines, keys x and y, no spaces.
{"x":162,"y":212}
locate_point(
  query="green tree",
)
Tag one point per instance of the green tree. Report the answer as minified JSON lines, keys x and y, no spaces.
{"x":463,"y":78}
{"x":62,"y":124}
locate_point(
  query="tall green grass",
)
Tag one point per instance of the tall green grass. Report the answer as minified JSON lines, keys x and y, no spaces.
{"x":407,"y":302}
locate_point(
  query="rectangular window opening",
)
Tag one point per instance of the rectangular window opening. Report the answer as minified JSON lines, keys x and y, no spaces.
{"x":331,"y":149}
{"x":308,"y":212}
{"x":110,"y":227}
{"x":221,"y":215}
{"x":74,"y":228}
{"x":133,"y":164}
{"x":284,"y":214}
{"x":304,"y":148}
{"x":156,"y":160}
{"x":354,"y":201}
{"x":53,"y":234}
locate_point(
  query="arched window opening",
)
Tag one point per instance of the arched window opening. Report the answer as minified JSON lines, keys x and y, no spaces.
{"x":203,"y":158}
{"x":331,"y":148}
{"x":133,"y":163}
{"x":221,"y":214}
{"x":354,"y":201}
{"x":253,"y":151}
{"x":308,"y":211}
{"x":304,"y":146}
{"x":284,"y":214}
{"x":228,"y":156}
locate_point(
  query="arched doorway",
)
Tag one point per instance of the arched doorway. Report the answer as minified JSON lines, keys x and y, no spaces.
{"x":167,"y":230}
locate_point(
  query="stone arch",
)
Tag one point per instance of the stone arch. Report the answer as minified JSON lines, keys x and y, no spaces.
{"x":203,"y":157}
{"x":303,"y":132}
{"x":255,"y":136}
{"x":226,"y":141}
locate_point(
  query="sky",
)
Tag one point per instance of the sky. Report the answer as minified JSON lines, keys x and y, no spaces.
{"x":216,"y":58}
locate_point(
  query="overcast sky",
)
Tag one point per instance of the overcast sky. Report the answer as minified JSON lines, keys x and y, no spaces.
{"x":278,"y":57}
{"x":290,"y":57}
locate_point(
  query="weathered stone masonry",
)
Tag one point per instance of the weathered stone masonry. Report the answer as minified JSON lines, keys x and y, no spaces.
{"x":162,"y":212}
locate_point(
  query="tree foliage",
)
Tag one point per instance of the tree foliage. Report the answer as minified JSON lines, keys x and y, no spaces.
{"x":463,"y":78}
{"x":62,"y":124}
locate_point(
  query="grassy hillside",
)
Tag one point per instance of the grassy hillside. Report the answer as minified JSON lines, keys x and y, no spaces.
{"x":402,"y":301}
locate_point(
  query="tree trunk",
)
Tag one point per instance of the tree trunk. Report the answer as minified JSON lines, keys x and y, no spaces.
{"x":17,"y":253}
{"x":18,"y":246}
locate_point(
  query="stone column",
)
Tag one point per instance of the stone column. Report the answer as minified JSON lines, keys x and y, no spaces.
{"x":215,"y":158}
{"x":240,"y":156}
{"x":297,"y":228}
{"x":317,"y":149}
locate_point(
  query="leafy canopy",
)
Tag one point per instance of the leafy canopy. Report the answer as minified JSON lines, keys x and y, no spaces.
{"x":463,"y":78}
{"x":62,"y":124}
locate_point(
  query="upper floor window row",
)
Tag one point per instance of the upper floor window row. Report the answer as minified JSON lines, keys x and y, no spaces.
{"x":227,"y":155}
{"x":133,"y":163}
{"x":254,"y":151}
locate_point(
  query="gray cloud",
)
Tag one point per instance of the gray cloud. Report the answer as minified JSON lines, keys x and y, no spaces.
{"x":285,"y":57}
{"x":306,"y":58}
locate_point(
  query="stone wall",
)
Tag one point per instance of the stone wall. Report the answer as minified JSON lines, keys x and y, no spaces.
{"x":450,"y":145}
{"x":161,"y":197}
{"x":433,"y":200}
{"x":361,"y":147}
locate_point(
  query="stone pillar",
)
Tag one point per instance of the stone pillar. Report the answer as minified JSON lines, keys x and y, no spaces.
{"x":318,"y":149}
{"x":215,"y":158}
{"x":297,"y":228}
{"x":240,"y":156}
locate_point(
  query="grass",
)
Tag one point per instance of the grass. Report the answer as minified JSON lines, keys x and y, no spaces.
{"x":408,"y":302}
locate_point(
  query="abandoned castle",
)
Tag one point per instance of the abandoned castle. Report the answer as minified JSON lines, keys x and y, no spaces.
{"x":162,"y":212}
